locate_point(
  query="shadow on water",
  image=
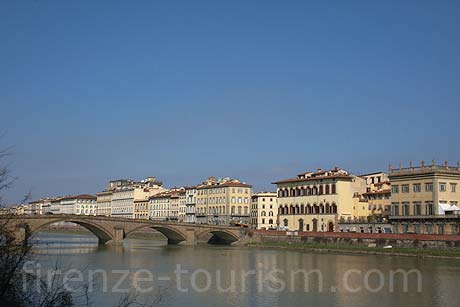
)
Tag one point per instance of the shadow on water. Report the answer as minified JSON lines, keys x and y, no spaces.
{"x":51,"y":243}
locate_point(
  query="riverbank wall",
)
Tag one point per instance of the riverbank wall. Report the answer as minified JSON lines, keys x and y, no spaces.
{"x":413,"y":241}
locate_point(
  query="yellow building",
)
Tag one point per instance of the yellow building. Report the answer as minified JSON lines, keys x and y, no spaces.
{"x":164,"y":206}
{"x":315,"y":201}
{"x":264,"y":210}
{"x":425,"y":199}
{"x":378,"y":194}
{"x":223,"y":201}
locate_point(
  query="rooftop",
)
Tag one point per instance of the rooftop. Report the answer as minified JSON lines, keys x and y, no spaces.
{"x":336,"y":173}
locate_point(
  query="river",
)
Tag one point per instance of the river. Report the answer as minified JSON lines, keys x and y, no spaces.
{"x":217,"y":275}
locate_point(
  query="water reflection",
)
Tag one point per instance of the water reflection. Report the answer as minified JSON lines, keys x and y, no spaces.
{"x":227,"y":265}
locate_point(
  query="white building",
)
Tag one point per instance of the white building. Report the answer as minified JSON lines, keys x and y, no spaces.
{"x":83,"y":204}
{"x":190,"y":205}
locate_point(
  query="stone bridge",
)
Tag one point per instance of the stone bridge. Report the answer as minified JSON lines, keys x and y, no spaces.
{"x":110,"y":230}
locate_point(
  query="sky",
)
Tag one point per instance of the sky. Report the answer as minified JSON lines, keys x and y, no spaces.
{"x":257,"y":90}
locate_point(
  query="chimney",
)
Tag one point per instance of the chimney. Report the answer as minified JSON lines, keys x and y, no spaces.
{"x":446,"y":164}
{"x":423,"y":164}
{"x":390,"y":167}
{"x":434,"y":162}
{"x":410,"y":164}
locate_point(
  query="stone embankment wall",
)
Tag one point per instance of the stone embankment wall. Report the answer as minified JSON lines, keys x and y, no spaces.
{"x":420,"y":241}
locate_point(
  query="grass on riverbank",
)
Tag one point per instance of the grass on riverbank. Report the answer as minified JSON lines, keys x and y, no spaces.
{"x":338,"y":248}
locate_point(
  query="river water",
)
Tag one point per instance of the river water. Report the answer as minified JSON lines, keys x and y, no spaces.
{"x":216,"y":275}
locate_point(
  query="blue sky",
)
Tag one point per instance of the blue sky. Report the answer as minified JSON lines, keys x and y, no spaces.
{"x":258,"y":90}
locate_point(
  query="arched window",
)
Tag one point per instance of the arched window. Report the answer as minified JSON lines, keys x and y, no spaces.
{"x":315,"y":209}
{"x":321,"y":208}
{"x":314,"y":190}
{"x":301,"y":224}
{"x":333,"y":189}
{"x":302,"y":191}
{"x":328,"y":209}
{"x":320,"y":190}
{"x":280,"y":193}
{"x":270,"y":213}
{"x":291,"y":209}
{"x":270,"y":221}
{"x":263,"y":213}
{"x":327,"y":189}
{"x":334,"y":208}
{"x":285,"y":222}
{"x":309,"y":210}
{"x":302,"y":209}
{"x":308,"y":190}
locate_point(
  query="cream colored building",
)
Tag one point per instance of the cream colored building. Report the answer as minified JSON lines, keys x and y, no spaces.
{"x":378,"y":194}
{"x":141,"y":209}
{"x":182,"y":206}
{"x":127,"y":198}
{"x":104,"y":203}
{"x":264,"y":210}
{"x":159,"y":206}
{"x":223,"y":201}
{"x":425,"y":199}
{"x":315,"y":201}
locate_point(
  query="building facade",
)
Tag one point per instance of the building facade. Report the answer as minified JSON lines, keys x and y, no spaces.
{"x":83,"y":204}
{"x":190,"y":204}
{"x":126,"y":198}
{"x":315,"y":201}
{"x":378,"y":194}
{"x":264,"y":210}
{"x":425,"y":199}
{"x":104,"y":203}
{"x":159,"y":206}
{"x":223,"y":201}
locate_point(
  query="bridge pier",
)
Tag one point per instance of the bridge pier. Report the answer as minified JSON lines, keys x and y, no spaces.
{"x":118,"y":236}
{"x":21,"y":234}
{"x":190,"y":237}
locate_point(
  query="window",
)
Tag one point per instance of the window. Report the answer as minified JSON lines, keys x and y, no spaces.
{"x":429,"y":208}
{"x":417,"y":208}
{"x":417,"y":188}
{"x":395,"y":208}
{"x":442,"y":187}
{"x":428,"y":187}
{"x":405,"y":188}
{"x":395,"y":189}
{"x":453,"y":187}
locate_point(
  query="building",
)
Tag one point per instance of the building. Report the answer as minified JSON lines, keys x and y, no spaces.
{"x":126,"y":198}
{"x":264,"y":210}
{"x":83,"y":204}
{"x":190,"y":204}
{"x":315,"y":201}
{"x":159,"y":206}
{"x":425,"y":199}
{"x":378,"y":194}
{"x":55,"y":205}
{"x":182,"y":206}
{"x":104,"y":203}
{"x":223,"y":201}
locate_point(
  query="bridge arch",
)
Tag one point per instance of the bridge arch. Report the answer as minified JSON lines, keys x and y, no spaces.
{"x":218,"y":236}
{"x":173,"y":235}
{"x":102,"y":234}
